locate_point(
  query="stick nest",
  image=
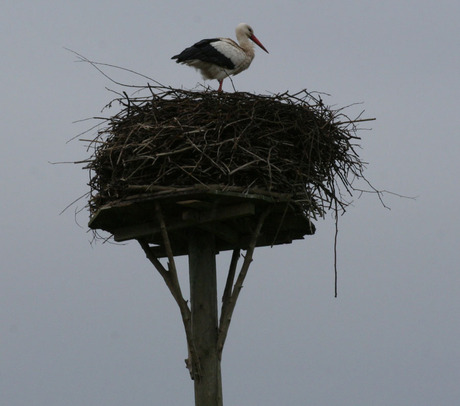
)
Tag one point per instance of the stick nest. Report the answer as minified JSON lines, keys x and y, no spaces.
{"x":173,"y":139}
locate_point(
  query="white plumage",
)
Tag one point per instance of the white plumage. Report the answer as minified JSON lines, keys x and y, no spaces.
{"x":218,"y":58}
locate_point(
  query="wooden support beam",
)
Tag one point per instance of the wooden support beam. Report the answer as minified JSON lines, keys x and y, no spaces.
{"x":203,"y":300}
{"x":220,"y":213}
{"x":223,"y":232}
{"x":190,"y":218}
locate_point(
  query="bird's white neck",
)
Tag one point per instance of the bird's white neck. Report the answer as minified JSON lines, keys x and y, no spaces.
{"x":246,"y":44}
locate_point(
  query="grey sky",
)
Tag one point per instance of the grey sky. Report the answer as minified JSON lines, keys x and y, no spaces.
{"x":95,"y":325}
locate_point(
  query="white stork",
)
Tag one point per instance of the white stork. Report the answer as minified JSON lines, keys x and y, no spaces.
{"x":218,"y":58}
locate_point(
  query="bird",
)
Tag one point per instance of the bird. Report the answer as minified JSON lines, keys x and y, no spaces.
{"x":218,"y":58}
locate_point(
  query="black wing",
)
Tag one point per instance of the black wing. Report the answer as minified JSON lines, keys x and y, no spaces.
{"x":204,"y":51}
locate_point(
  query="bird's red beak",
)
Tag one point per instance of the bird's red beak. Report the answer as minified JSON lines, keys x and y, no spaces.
{"x":254,"y":38}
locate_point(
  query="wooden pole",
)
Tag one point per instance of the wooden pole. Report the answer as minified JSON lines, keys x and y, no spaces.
{"x":204,"y":320}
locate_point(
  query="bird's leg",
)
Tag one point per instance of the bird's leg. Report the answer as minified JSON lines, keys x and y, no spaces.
{"x":220,"y":85}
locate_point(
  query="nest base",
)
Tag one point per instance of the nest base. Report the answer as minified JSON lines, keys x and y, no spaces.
{"x":230,"y":215}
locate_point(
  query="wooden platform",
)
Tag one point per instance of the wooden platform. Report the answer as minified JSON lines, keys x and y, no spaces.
{"x":230,"y":216}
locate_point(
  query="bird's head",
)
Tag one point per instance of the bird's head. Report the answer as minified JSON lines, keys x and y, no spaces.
{"x":244,"y":31}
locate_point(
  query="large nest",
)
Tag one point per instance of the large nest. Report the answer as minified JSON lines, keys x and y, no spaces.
{"x":174,"y":139}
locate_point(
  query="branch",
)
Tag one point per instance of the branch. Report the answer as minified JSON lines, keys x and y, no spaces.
{"x":167,"y":244}
{"x":161,"y":269}
{"x":192,"y":362}
{"x":230,"y":299}
{"x":231,"y":275}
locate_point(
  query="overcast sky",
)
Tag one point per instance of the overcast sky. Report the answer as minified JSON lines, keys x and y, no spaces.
{"x":85,"y":324}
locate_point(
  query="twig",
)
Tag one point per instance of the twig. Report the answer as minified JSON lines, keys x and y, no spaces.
{"x":97,"y":64}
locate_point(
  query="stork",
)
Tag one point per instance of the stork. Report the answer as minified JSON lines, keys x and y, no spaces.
{"x":218,"y":58}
